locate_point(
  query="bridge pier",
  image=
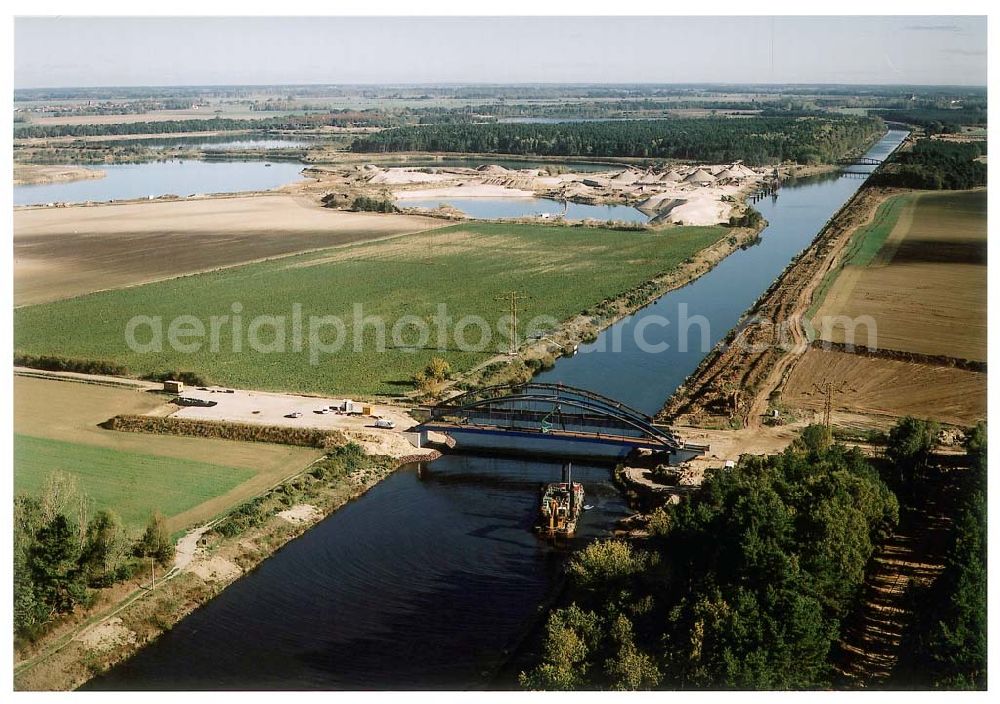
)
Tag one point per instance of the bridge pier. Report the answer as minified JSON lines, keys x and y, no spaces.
{"x":417,"y":438}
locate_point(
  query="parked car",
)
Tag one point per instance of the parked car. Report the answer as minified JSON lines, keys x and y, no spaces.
{"x":293,"y":414}
{"x":385,"y":423}
{"x":322,"y":411}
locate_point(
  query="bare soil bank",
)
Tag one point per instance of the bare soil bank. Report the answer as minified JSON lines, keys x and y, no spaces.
{"x":732,"y":385}
{"x":31,"y":174}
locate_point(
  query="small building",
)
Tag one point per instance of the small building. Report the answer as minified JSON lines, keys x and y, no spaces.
{"x":173,"y":387}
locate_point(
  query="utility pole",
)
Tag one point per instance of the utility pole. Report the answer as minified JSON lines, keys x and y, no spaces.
{"x":513,"y":297}
{"x":827,"y":389}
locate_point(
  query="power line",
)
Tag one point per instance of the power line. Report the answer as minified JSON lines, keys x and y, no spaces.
{"x":513,"y":297}
{"x":828,"y":389}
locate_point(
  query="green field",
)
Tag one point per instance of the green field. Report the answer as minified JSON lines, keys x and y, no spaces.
{"x":564,"y":270}
{"x":867,"y":241}
{"x":864,"y":245}
{"x":131,"y":484}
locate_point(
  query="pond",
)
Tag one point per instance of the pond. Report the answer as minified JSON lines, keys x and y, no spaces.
{"x":158,"y":178}
{"x":494,"y":208}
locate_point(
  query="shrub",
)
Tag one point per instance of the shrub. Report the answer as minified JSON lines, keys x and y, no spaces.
{"x":54,"y":363}
{"x":246,"y":432}
{"x":373,"y":205}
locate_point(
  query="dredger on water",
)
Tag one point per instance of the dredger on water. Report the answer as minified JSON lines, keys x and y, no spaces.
{"x":561,"y":505}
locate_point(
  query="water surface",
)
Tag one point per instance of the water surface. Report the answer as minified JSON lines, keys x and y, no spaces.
{"x":420,"y":584}
{"x":158,"y":178}
{"x":494,"y":208}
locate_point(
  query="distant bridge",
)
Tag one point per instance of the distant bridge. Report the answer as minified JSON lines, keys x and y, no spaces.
{"x":507,"y":415}
{"x":847,"y":173}
{"x":860,"y":161}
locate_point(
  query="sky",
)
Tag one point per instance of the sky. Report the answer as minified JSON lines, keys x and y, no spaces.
{"x":141,"y":51}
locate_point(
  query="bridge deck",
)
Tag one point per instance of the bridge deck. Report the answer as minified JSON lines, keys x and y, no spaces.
{"x":550,"y":411}
{"x":555,"y":434}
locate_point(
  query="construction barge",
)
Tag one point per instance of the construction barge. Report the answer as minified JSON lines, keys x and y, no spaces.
{"x":560,"y":506}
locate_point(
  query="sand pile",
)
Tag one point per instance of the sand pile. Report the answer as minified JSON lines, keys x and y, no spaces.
{"x":700,"y":176}
{"x":625,"y":177}
{"x":728,"y":174}
{"x":399,"y":176}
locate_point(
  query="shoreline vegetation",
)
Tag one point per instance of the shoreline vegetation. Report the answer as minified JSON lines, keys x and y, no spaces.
{"x":128,"y":616}
{"x":723,"y":590}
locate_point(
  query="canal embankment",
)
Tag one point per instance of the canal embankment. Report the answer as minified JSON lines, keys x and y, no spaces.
{"x":209,"y":558}
{"x":732,"y":385}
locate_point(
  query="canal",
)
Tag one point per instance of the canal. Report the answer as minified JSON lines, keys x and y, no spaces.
{"x":432,"y":577}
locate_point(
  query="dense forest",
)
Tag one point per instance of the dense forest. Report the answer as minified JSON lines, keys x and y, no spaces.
{"x":936,"y":165}
{"x":744,"y":585}
{"x":938,"y":120}
{"x":345,"y":118}
{"x":754,"y":140}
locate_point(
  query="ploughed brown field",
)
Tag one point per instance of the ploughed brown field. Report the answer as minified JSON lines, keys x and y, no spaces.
{"x":66,"y":252}
{"x":888,"y":387}
{"x":925,"y":288}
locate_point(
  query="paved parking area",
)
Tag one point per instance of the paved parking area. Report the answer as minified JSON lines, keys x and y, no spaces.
{"x":267,"y":408}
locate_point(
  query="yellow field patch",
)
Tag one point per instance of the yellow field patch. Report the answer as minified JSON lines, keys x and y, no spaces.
{"x":71,"y":412}
{"x":925,"y":291}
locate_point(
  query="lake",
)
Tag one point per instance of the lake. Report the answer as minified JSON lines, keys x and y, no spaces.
{"x":493,"y":208}
{"x":157,"y":178}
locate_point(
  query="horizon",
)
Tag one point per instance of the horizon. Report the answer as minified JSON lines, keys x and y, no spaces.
{"x":132,"y":52}
{"x":453,"y":84}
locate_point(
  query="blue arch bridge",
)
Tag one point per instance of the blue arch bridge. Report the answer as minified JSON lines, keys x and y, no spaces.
{"x":539,"y":418}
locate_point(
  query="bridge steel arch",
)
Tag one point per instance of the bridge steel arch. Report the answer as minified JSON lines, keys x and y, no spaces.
{"x":553,"y":408}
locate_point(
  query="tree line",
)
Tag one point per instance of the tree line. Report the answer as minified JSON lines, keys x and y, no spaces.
{"x":935,"y":164}
{"x":745,"y":584}
{"x":63,"y":550}
{"x":938,"y":120}
{"x":343,"y":118}
{"x":754,"y":140}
